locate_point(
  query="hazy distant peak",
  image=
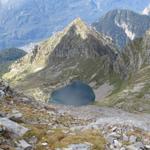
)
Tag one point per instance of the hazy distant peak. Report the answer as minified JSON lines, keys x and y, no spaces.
{"x":146,"y":11}
{"x":78,"y":23}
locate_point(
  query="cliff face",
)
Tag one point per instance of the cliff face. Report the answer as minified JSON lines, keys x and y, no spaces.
{"x":136,"y":54}
{"x":134,"y":93}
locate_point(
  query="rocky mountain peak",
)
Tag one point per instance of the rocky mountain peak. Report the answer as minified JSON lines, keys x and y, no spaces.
{"x":77,"y":21}
{"x":123,"y":23}
{"x":80,"y":40}
{"x":77,"y":39}
{"x":79,"y":27}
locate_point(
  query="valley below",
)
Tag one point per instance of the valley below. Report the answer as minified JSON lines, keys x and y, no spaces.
{"x":28,"y":124}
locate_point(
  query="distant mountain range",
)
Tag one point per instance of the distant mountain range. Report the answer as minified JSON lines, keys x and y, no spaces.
{"x":123,"y":26}
{"x":25,"y":21}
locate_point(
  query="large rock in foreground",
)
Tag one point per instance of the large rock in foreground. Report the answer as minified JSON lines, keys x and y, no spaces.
{"x":76,"y":93}
{"x":13,"y":127}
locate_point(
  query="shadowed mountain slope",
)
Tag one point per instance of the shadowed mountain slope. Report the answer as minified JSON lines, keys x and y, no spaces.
{"x":135,"y":92}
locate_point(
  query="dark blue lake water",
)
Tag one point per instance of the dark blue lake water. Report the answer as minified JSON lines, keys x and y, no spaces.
{"x":77,"y":94}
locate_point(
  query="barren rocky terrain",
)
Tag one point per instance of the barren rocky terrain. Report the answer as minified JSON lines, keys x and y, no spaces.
{"x":26,"y":124}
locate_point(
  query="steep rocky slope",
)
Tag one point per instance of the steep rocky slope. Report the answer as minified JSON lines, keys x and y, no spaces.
{"x":78,"y":52}
{"x":8,"y":56}
{"x":123,"y":26}
{"x":135,"y":92}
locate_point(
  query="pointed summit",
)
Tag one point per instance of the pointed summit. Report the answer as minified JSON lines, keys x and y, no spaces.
{"x":78,"y":20}
{"x":79,"y":27}
{"x":78,"y":40}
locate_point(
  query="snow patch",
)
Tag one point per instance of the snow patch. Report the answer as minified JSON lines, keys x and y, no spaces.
{"x":38,"y":69}
{"x":125,"y":27}
{"x":29,"y":47}
{"x":146,"y":11}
